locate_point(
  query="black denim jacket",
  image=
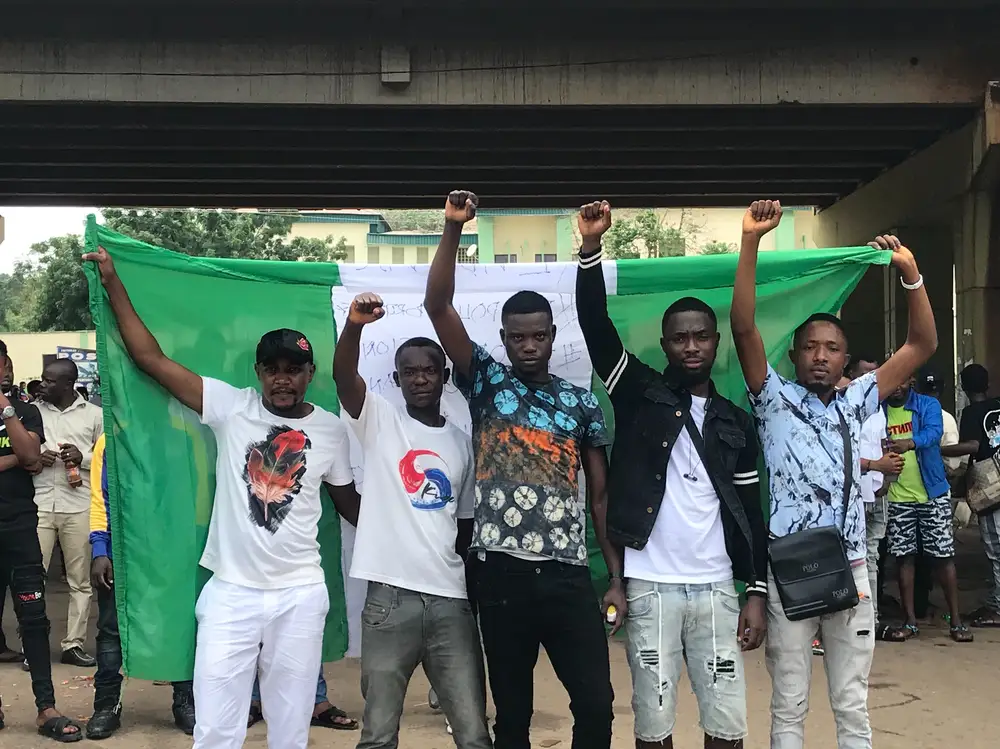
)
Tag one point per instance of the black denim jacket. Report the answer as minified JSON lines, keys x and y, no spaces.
{"x":650,"y":412}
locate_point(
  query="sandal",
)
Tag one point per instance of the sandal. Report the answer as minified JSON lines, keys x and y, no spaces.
{"x":256,"y":715}
{"x":961,"y":633}
{"x":55,"y":729}
{"x":888,"y":633}
{"x":907,"y":632}
{"x":328,"y":719}
{"x":984,"y":617}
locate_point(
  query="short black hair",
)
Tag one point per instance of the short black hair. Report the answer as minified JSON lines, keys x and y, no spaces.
{"x":818,"y":317}
{"x":852,"y":365}
{"x":688,"y":304}
{"x":526,"y":303}
{"x":82,"y":390}
{"x":33,"y":387}
{"x":421,"y":342}
{"x":3,"y":348}
{"x":975,"y":379}
{"x":68,"y":367}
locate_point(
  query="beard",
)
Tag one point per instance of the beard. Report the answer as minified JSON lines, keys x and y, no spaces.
{"x":689,"y":378}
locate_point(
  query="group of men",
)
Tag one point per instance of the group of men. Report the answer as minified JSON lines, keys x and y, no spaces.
{"x":473,"y":546}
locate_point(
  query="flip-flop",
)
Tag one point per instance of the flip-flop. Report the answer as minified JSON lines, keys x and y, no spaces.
{"x":55,"y":729}
{"x":983,"y":617}
{"x":888,"y":633}
{"x":961,"y":633}
{"x":328,"y":719}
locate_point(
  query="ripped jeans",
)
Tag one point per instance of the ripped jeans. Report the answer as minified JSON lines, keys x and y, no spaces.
{"x":669,"y":625}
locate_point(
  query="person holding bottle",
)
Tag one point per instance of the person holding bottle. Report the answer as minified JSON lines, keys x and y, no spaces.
{"x":62,"y":493}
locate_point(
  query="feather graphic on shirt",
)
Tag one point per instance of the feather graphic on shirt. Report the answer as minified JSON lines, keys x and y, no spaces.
{"x":273,"y":474}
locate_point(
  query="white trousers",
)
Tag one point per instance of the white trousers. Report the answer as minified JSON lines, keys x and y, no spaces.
{"x":236,"y":626}
{"x":849,"y":641}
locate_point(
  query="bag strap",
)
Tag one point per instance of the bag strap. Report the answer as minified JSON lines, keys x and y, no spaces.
{"x":845,"y":433}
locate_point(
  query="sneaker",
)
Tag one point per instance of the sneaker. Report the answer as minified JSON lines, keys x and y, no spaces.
{"x":447,"y":726}
{"x":433,"y":701}
{"x":818,"y":648}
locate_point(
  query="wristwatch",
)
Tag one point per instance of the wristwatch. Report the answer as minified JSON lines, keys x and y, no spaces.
{"x":8,"y":413}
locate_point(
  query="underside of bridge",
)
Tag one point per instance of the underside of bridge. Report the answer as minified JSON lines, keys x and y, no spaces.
{"x":275,"y":156}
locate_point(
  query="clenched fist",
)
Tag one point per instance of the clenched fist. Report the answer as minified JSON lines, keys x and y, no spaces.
{"x":366,"y":308}
{"x":761,"y":217}
{"x":460,"y":207}
{"x":593,"y":221}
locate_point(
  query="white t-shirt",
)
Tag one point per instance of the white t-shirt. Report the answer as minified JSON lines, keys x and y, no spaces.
{"x":873,"y":431}
{"x":950,"y":437}
{"x":687,"y":545}
{"x":267,"y":488}
{"x":419,"y":481}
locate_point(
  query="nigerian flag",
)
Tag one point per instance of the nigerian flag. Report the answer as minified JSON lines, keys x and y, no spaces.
{"x":208,"y":314}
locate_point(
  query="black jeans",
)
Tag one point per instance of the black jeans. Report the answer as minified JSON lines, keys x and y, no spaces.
{"x":525,"y":604}
{"x":21,"y":568}
{"x":108,"y":679}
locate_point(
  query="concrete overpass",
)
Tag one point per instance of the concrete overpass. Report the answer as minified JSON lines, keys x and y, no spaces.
{"x":874,"y":111}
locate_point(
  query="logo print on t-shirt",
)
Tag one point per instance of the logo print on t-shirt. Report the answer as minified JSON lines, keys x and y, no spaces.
{"x":991,"y":426}
{"x":424,"y":477}
{"x":273,"y":475}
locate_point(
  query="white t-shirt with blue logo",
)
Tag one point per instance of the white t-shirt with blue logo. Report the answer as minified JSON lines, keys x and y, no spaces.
{"x":419,"y":481}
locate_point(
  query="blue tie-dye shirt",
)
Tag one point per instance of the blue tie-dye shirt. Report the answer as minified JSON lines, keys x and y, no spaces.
{"x":804,"y":451}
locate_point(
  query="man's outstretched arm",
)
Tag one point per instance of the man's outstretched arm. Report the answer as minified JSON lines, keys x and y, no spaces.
{"x":180,"y":382}
{"x":459,"y":208}
{"x":351,"y":389}
{"x":921,"y":335}
{"x":760,"y":218}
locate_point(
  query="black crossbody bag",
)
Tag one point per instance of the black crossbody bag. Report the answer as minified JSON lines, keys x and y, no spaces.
{"x":810,"y":568}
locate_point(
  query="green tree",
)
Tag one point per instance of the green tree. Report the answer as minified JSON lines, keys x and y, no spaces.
{"x":718,"y":248}
{"x":431,"y":222}
{"x":49,"y":290}
{"x":646,"y":234}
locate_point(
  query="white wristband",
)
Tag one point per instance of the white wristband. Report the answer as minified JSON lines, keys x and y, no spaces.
{"x":912,"y":286}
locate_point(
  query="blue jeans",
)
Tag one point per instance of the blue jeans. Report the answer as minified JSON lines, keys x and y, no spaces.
{"x":320,"y":689}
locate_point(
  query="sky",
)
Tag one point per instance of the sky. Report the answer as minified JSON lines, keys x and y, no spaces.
{"x":25,"y":226}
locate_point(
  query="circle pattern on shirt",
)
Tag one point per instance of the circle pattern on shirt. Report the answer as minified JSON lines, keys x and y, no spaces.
{"x":495,"y":373}
{"x":490,"y":534}
{"x":575,"y":533}
{"x":509,"y":543}
{"x":559,"y":538}
{"x":554,"y":509}
{"x":568,"y":399}
{"x":479,"y":497}
{"x":565,"y":421}
{"x":477,"y":384}
{"x":512,"y":517}
{"x":519,"y":387}
{"x":581,"y":552}
{"x":538,"y":418}
{"x":497,"y":499}
{"x":505,"y":402}
{"x":525,"y":497}
{"x":533,"y":542}
{"x":543,"y":396}
{"x":589,"y":400}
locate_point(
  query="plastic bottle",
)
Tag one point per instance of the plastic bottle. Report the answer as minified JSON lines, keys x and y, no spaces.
{"x":73,"y":476}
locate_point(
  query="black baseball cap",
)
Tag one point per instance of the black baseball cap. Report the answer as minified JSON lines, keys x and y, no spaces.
{"x":284,"y":343}
{"x":928,"y":381}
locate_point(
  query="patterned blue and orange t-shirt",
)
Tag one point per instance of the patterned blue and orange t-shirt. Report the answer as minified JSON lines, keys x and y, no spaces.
{"x":528,"y":443}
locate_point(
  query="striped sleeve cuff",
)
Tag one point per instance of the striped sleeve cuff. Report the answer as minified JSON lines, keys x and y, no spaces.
{"x":591,"y":261}
{"x":617,"y":372}
{"x":745,"y":479}
{"x":757,"y":589}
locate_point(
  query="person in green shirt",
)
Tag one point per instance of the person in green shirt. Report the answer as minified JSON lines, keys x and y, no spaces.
{"x":920,"y":513}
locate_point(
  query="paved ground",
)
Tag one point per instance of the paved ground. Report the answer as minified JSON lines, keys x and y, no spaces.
{"x":925,"y":693}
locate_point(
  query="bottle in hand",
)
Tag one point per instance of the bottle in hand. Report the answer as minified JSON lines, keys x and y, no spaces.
{"x":73,"y":476}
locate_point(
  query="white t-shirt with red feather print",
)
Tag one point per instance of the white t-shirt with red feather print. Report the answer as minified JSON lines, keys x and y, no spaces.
{"x":268,"y":475}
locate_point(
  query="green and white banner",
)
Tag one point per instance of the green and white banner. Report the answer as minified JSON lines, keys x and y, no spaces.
{"x":209,"y":313}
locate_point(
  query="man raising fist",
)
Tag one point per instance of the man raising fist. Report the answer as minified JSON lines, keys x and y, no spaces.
{"x":810,"y":433}
{"x":414,"y":528}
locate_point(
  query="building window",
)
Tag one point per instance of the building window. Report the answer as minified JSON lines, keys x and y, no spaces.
{"x":512,"y":258}
{"x":349,"y":257}
{"x":423,"y":255}
{"x":397,"y":255}
{"x":547,"y":257}
{"x":373,"y":254}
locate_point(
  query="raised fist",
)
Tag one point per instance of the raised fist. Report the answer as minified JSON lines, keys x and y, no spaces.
{"x":761,"y":217}
{"x":902,"y":258}
{"x":594,"y":219}
{"x":366,"y":308}
{"x":460,"y":206}
{"x":105,"y":265}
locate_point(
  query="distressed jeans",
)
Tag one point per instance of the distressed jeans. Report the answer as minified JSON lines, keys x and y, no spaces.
{"x":402,"y":628}
{"x":849,"y":640}
{"x":669,"y":626}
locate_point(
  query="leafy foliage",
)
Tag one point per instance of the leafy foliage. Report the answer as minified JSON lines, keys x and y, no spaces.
{"x":49,"y":291}
{"x":415,"y":220}
{"x":718,"y":248}
{"x":646,"y":234}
